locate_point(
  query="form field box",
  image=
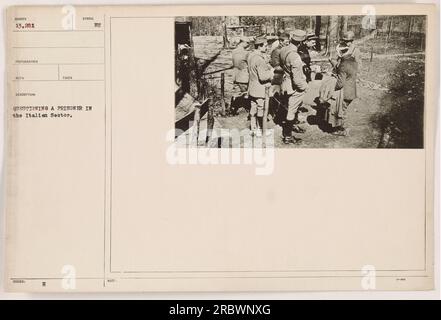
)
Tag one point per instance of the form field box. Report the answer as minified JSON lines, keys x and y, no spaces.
{"x":82,"y":72}
{"x":59,"y":55}
{"x":53,"y":39}
{"x":35,"y":72}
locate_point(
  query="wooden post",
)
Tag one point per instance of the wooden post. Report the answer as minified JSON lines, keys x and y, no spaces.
{"x":196,"y":125}
{"x":223,"y":93}
{"x":405,"y":46}
{"x":265,"y":116}
{"x":210,"y":122}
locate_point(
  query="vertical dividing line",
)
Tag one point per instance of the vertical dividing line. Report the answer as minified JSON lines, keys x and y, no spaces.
{"x":111,"y":150}
{"x":105,"y":151}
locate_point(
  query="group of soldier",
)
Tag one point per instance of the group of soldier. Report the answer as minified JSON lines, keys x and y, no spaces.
{"x":285,"y":68}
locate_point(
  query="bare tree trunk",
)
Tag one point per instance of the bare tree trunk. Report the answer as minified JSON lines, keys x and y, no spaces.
{"x":332,"y":35}
{"x":226,"y":43}
{"x":386,"y":23}
{"x":310,"y":22}
{"x":339,"y":28}
{"x":389,"y":32}
{"x":409,"y":31}
{"x":327,"y":36}
{"x":344,"y":27}
{"x":318,"y":25}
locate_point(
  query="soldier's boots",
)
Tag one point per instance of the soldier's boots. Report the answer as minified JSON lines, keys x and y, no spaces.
{"x":233,"y":107}
{"x":296,"y":122}
{"x":298,"y":129}
{"x":291,"y":140}
{"x":237,"y":102}
{"x":260,"y":122}
{"x":287,"y":129}
{"x":340,"y":131}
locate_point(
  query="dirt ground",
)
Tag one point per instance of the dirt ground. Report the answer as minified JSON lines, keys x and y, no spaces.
{"x":390,"y":98}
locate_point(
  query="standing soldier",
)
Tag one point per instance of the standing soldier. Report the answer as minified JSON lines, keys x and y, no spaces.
{"x":276,"y":43}
{"x":260,"y":77}
{"x":294,"y":83}
{"x":277,"y":111}
{"x":346,"y":73}
{"x":303,"y":51}
{"x":241,"y":77}
{"x":344,"y":82}
{"x":348,"y":40}
{"x":275,"y":62}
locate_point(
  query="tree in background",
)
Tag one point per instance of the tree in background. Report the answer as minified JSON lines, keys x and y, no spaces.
{"x":226,"y":42}
{"x":344,"y":25}
{"x":318,"y":26}
{"x":331,"y":35}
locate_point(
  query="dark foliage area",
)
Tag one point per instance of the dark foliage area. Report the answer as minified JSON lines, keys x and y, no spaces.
{"x":401,"y":118}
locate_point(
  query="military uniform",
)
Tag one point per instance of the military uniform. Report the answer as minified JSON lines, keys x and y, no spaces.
{"x":294,"y":83}
{"x":240,"y":65}
{"x":275,"y":63}
{"x":346,"y":74}
{"x":348,"y":39}
{"x":240,"y":77}
{"x":303,"y":52}
{"x":275,"y":57}
{"x":260,"y":75}
{"x":274,"y":46}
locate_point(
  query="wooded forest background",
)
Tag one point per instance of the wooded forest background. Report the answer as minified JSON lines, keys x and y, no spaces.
{"x":328,"y":28}
{"x":389,"y":112}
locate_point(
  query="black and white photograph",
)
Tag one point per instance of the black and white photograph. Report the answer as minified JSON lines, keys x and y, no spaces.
{"x":302,"y":81}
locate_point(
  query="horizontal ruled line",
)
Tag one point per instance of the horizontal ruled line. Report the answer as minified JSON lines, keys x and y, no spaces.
{"x":15,"y":80}
{"x":57,"y":30}
{"x":55,"y":64}
{"x":58,"y":47}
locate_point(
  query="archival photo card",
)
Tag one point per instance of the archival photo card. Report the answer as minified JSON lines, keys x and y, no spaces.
{"x":220,"y":148}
